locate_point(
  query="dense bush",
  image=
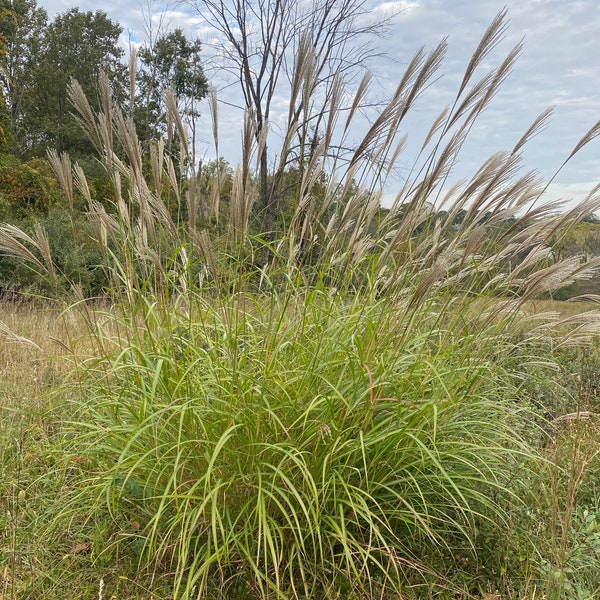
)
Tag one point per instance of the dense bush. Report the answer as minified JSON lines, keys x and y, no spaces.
{"x":29,"y":188}
{"x":308,"y":447}
{"x":77,"y":259}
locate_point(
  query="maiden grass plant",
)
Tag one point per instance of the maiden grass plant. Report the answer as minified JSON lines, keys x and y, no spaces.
{"x":311,"y":450}
{"x":345,"y":419}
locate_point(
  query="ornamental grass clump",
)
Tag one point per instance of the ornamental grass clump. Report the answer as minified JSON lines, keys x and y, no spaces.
{"x":347,"y":417}
{"x":313,"y":447}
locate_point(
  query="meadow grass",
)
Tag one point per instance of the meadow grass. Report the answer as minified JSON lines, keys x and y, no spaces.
{"x":39,"y":348}
{"x":547,"y":522}
{"x":29,"y":366}
{"x":563,"y":308}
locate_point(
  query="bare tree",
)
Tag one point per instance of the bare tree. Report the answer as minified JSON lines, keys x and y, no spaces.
{"x":297,"y":49}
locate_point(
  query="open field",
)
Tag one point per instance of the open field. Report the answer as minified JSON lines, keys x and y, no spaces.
{"x":39,"y":348}
{"x":80,"y":559}
{"x":563,"y":307}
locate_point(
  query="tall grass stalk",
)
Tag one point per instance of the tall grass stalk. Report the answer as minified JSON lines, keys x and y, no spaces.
{"x":345,"y":419}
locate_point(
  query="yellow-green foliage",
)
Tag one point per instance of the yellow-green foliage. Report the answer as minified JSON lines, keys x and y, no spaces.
{"x":28,"y":186}
{"x":583,"y":238}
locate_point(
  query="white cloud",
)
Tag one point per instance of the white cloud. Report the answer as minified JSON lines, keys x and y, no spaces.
{"x":569,"y":193}
{"x":396,"y":8}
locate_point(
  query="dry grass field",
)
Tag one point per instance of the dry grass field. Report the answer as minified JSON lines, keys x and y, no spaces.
{"x":563,"y":307}
{"x":39,"y":347}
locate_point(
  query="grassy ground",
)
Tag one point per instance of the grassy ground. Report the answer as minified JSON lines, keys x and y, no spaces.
{"x":38,"y":349}
{"x":30,"y":366}
{"x":38,"y":561}
{"x":562,"y":307}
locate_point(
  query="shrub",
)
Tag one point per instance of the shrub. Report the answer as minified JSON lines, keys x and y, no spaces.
{"x":308,"y":448}
{"x":28,"y":187}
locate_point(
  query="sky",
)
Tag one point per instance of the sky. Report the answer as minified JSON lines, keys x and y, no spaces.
{"x":559,"y":67}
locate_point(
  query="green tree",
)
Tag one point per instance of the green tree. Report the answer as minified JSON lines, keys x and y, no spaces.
{"x":171,"y":63}
{"x":22,"y":25}
{"x":77,"y":46}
